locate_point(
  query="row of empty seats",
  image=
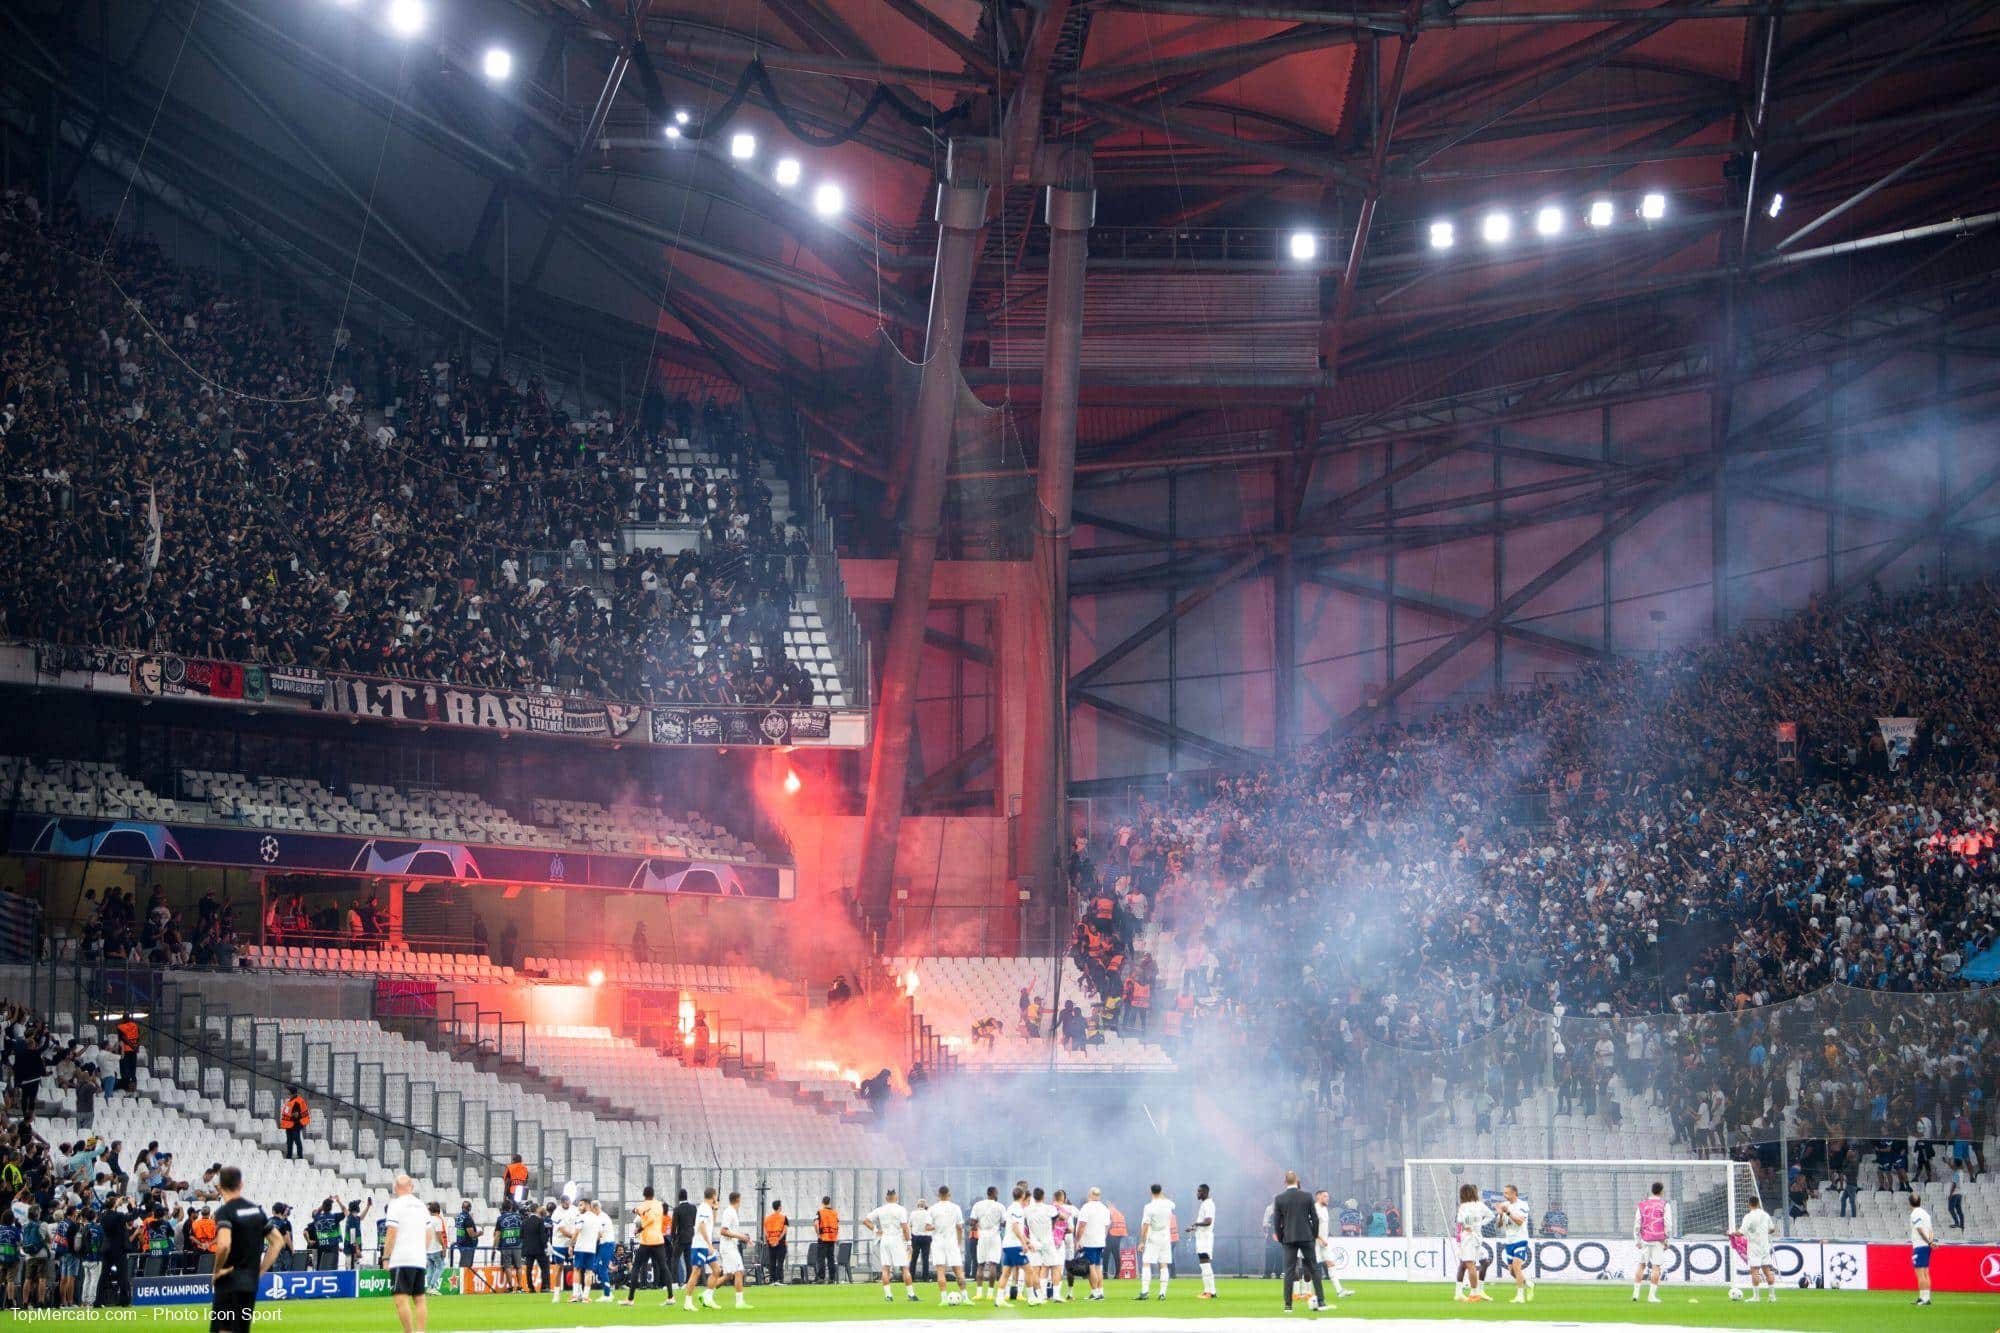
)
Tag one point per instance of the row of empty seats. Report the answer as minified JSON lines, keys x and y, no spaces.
{"x":713,"y":1115}
{"x":100,"y":790}
{"x":667,"y":976}
{"x":88,"y":790}
{"x":456,"y":816}
{"x":277,"y":803}
{"x":954,"y":993}
{"x":637,"y":828}
{"x":189,"y":1115}
{"x":377,"y":962}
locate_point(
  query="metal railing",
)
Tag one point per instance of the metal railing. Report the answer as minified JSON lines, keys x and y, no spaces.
{"x":362,"y":1106}
{"x":836,"y":610}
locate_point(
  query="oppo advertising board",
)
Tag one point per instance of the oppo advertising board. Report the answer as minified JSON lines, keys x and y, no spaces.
{"x":1699,"y":1263}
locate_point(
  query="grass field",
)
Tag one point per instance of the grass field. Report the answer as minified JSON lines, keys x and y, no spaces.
{"x":1796,"y":1312}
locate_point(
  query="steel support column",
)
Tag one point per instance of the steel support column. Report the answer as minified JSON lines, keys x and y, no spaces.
{"x":1042,"y":838}
{"x":961,"y":214}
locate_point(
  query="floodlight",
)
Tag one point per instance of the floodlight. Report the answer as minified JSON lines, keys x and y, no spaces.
{"x":680,"y":116}
{"x":1443,"y":236}
{"x":1653,"y":206}
{"x":742,"y":147}
{"x":1496,"y":228}
{"x":673,"y":131}
{"x":1304,"y":246}
{"x":407,"y":18}
{"x":1777,"y":205}
{"x":498,"y":63}
{"x":787,"y":172}
{"x":1601,"y":213}
{"x":829,"y":200}
{"x":1549,"y":220}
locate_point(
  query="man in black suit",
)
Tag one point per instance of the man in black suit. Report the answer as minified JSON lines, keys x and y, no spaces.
{"x":683,"y":1234}
{"x":1295,"y":1225}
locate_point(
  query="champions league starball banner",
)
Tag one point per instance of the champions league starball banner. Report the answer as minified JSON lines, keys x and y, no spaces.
{"x":128,"y":840}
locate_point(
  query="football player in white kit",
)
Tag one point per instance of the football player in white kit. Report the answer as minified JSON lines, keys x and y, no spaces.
{"x":1323,"y":1248}
{"x":1472,"y":1219}
{"x":701,"y":1254}
{"x":1093,"y":1227}
{"x":1043,"y":1256}
{"x":989,"y":1231}
{"x":563,"y":1248}
{"x":1156,"y":1242}
{"x":1014,"y":1251}
{"x":948,"y":1249}
{"x":729,"y":1238}
{"x":589,"y":1231}
{"x":1512,"y":1216}
{"x":890,"y":1225}
{"x":1756,"y":1233}
{"x":1204,"y":1240}
{"x":1922,"y":1236}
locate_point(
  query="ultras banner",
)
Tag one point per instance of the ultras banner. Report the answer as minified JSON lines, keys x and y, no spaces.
{"x":427,"y":703}
{"x":491,"y":710}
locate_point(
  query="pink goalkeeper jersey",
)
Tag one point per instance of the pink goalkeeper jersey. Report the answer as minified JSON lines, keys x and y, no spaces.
{"x":1652,"y":1219}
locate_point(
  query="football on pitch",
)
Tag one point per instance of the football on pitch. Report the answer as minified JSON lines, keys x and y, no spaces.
{"x":1736,"y":1293}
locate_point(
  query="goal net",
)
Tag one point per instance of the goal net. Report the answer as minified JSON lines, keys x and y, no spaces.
{"x":1579,"y":1198}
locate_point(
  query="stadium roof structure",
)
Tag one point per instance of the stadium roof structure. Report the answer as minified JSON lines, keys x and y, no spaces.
{"x":553,"y":208}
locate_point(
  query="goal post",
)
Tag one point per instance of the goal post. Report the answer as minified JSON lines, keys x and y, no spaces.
{"x":1581,"y":1197}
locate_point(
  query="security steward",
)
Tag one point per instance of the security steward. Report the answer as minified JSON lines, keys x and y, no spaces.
{"x":293,"y":1117}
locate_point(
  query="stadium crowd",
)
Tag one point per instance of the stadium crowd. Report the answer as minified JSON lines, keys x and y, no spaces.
{"x":443,"y":525}
{"x":1590,"y":872}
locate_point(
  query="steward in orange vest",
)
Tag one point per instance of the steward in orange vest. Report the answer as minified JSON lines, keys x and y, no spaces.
{"x":293,"y":1118}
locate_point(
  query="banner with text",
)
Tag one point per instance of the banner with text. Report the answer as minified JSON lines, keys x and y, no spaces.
{"x":427,"y":703}
{"x":1697,"y":1263}
{"x":1899,"y":734}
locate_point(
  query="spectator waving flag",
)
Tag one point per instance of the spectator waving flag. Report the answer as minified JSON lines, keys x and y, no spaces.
{"x":152,"y":530}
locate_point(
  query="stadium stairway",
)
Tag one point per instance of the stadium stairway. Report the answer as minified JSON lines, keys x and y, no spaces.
{"x":783,"y":1063}
{"x":190,"y":1116}
{"x":954,"y":993}
{"x":734,"y":1115}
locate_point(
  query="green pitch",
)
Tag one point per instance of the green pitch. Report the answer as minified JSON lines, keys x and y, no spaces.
{"x":1796,"y":1312}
